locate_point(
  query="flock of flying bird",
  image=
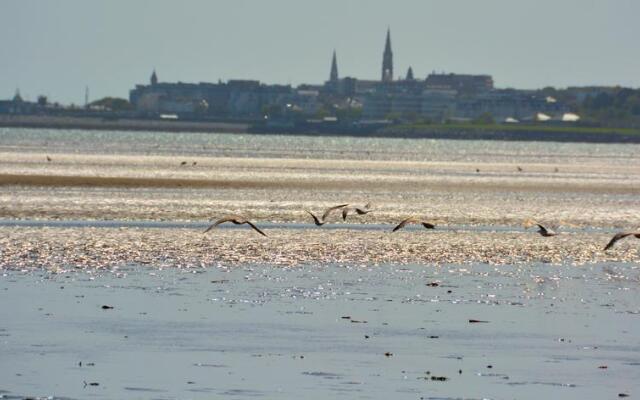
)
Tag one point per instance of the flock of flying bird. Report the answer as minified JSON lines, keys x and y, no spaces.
{"x":346,"y":210}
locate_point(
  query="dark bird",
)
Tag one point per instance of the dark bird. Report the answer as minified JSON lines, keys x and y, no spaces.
{"x":359,"y":210}
{"x":48,"y":158}
{"x":619,"y":236}
{"x":519,"y":169}
{"x":542,"y":230}
{"x":477,"y":169}
{"x":545,"y":232}
{"x":183,"y":163}
{"x":316,"y":221}
{"x":194,"y":163}
{"x":413,"y":220}
{"x":237,"y":220}
{"x":321,"y":221}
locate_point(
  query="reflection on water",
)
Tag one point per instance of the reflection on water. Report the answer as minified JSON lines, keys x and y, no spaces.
{"x":287,"y":146}
{"x":323,"y":332}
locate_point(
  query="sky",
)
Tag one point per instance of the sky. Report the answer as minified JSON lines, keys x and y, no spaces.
{"x":58,"y":48}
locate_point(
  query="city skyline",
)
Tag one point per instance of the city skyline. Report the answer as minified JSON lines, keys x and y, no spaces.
{"x":121,"y":44}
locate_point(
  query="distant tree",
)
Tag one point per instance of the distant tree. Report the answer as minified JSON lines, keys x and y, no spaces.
{"x":202,"y":107}
{"x":349,"y":113}
{"x":483,"y":119}
{"x":272,"y":111}
{"x":42,"y":100}
{"x":549,"y":91}
{"x":394,"y":116}
{"x":411,"y":117}
{"x":619,"y":107}
{"x":323,"y":112}
{"x":113,"y":104}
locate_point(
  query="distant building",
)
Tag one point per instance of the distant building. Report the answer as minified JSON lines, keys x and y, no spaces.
{"x":507,"y":104}
{"x":410,"y":75}
{"x":17,"y":105}
{"x":387,"y":60}
{"x":439,"y":97}
{"x":463,"y":84}
{"x":333,"y":76}
{"x":583,"y":92}
{"x":236,"y":98}
{"x":438,"y":104}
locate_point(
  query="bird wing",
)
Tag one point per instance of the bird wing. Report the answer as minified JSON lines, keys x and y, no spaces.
{"x":230,"y":218}
{"x":345,"y":212}
{"x":403,"y":223}
{"x":255,"y":228}
{"x":315,"y":219}
{"x":616,"y":237}
{"x":543,"y":230}
{"x":363,"y":211}
{"x":428,"y":225}
{"x":330,"y":209}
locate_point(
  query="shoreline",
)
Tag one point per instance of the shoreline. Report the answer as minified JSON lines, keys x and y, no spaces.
{"x":519,"y":133}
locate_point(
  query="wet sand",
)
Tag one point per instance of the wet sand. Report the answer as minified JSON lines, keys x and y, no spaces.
{"x":584,"y":192}
{"x":349,"y":310}
{"x":63,"y":249}
{"x":322,"y":331}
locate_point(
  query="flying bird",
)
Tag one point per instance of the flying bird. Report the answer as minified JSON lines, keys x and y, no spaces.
{"x":619,"y":236}
{"x":322,"y":220}
{"x":359,"y":210}
{"x":543,"y":231}
{"x":413,"y":220}
{"x":237,"y":220}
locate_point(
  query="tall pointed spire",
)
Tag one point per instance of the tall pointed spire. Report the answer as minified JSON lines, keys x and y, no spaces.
{"x":334,"y":68}
{"x":17,"y":98}
{"x":154,"y":77}
{"x":387,"y":59}
{"x":410,"y":74}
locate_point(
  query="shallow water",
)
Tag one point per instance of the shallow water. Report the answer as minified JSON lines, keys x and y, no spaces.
{"x":201,"y":225}
{"x":291,"y":146}
{"x":319,"y":330}
{"x":284,"y":333}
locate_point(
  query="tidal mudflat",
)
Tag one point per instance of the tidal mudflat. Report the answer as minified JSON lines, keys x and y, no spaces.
{"x":110,"y":289}
{"x":322,"y":331}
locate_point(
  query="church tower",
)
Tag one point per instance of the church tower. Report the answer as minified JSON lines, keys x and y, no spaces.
{"x":154,"y":78}
{"x":333,"y":77}
{"x":410,"y":74}
{"x":387,"y":60}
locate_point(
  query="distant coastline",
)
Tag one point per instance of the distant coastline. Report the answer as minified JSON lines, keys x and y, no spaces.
{"x":454,"y":131}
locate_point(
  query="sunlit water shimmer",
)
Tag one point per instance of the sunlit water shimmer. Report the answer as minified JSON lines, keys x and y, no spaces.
{"x":349,"y":310}
{"x":323,"y":331}
{"x":287,"y":146}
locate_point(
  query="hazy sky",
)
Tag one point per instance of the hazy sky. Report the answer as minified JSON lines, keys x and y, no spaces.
{"x":57,"y":48}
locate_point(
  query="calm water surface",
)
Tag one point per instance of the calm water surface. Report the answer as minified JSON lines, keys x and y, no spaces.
{"x":322,"y":332}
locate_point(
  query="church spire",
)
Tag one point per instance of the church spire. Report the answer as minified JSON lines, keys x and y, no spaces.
{"x":387,"y":59}
{"x":334,"y":69}
{"x":410,"y":74}
{"x":17,"y":98}
{"x":154,"y":77}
